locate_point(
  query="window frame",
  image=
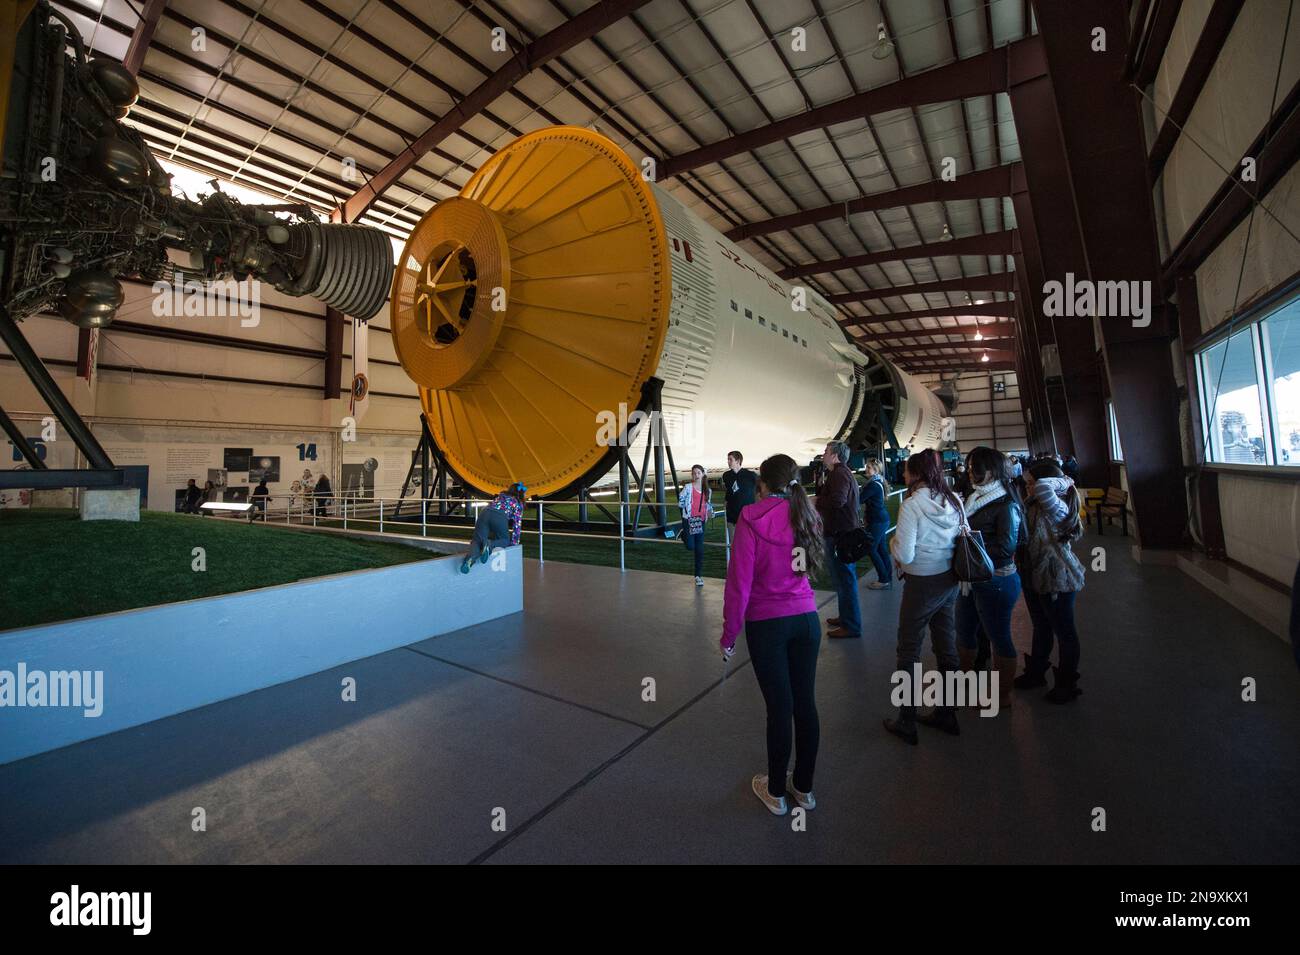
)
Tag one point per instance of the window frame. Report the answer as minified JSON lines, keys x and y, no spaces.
{"x":1260,"y":338}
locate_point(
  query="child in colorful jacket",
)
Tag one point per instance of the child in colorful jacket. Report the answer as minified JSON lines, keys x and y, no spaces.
{"x":498,"y":525}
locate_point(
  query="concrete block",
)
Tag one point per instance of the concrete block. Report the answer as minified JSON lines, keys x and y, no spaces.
{"x":54,"y":497}
{"x":110,"y":504}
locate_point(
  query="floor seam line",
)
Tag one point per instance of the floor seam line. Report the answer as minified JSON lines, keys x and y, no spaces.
{"x":528,"y":689}
{"x":555,"y":803}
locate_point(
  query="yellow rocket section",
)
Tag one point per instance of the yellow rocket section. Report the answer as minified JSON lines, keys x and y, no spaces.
{"x":531,"y":303}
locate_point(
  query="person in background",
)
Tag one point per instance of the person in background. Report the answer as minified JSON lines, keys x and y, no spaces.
{"x":876,"y":519}
{"x":209,"y":495}
{"x":1015,"y":467}
{"x":1070,"y":468}
{"x":928,"y":521}
{"x":193,"y":498}
{"x":993,"y":510}
{"x":694,"y":501}
{"x":769,"y":595}
{"x":261,"y":497}
{"x":837,"y":504}
{"x":1053,"y":579}
{"x":321,"y":494}
{"x":739,"y":484}
{"x":499,"y":524}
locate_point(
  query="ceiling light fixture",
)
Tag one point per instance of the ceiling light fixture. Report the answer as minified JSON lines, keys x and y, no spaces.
{"x":947,"y":234}
{"x":984,"y":357}
{"x":884,"y":46}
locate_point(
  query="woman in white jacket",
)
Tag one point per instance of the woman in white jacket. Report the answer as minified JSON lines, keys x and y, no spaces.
{"x":694,"y":501}
{"x":928,"y":522}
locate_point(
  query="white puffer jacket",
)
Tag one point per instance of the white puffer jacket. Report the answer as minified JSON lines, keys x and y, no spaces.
{"x":926,"y":534}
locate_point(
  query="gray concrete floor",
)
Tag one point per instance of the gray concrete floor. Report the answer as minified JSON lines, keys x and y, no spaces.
{"x":542,"y":715}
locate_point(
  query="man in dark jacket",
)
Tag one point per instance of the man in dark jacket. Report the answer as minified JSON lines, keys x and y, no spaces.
{"x":837,"y":503}
{"x":740,"y":485}
{"x":193,"y":498}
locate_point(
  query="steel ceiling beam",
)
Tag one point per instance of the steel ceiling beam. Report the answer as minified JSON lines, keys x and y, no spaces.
{"x":1151,"y":39}
{"x":142,"y":35}
{"x":996,"y":326}
{"x":545,"y":48}
{"x":1206,"y":53}
{"x":1002,"y":344}
{"x":996,"y":282}
{"x":1002,"y":309}
{"x":974,"y":76}
{"x":994,"y":182}
{"x":991,"y":243}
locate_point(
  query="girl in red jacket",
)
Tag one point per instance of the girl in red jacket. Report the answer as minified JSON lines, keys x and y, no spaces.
{"x":777,"y":548}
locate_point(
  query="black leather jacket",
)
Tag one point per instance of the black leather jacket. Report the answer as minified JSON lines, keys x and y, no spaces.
{"x":999,"y":522}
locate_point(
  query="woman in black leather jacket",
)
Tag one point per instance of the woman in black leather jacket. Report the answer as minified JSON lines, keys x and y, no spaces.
{"x":993,"y":509}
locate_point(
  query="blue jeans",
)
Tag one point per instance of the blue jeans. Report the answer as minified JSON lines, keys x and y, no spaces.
{"x":845,"y":578}
{"x":880,"y":553}
{"x":1053,"y":615}
{"x":695,"y":542}
{"x":990,"y":602}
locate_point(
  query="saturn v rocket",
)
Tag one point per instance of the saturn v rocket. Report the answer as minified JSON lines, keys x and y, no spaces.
{"x":537,"y":305}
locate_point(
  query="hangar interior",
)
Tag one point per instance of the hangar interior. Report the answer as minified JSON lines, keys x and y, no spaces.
{"x":940,"y":176}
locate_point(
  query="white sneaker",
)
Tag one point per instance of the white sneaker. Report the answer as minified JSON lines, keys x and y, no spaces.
{"x":699,"y":581}
{"x":805,"y":800}
{"x":775,"y":804}
{"x":877,"y":585}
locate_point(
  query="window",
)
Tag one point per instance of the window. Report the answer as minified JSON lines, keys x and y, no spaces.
{"x":733,"y":305}
{"x":1250,"y":392}
{"x":1116,"y":452}
{"x":785,"y":333}
{"x":749,"y":314}
{"x":761,"y":319}
{"x":1281,"y":345}
{"x":805,"y":343}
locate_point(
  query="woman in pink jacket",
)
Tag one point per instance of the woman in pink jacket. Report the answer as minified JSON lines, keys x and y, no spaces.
{"x":777,"y":548}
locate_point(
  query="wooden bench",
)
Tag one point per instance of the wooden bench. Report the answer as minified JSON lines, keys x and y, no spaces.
{"x":1116,"y":500}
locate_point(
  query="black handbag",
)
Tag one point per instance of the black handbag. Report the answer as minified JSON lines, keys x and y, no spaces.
{"x":853,"y":545}
{"x":971,"y":563}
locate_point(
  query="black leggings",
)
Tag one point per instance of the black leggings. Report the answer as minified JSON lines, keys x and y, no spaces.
{"x":784,"y":653}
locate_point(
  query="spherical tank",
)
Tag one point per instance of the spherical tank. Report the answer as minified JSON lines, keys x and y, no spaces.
{"x":533,"y":309}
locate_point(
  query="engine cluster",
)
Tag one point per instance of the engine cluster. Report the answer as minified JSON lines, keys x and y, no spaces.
{"x":84,"y":203}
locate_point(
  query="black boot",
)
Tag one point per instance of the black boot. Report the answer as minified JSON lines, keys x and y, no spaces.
{"x":1033,"y":675}
{"x":985,"y":651}
{"x":904,"y":725}
{"x":942,"y":718}
{"x":1066,"y":688}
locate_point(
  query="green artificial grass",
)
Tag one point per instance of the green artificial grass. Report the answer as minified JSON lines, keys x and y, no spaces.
{"x":59,"y":567}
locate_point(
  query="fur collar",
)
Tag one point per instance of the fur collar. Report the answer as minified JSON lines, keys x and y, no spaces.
{"x":984,"y":494}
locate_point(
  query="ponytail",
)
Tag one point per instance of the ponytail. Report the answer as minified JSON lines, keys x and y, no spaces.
{"x":780,"y":475}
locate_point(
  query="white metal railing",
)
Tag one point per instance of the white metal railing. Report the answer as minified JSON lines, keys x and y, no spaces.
{"x":352,"y":511}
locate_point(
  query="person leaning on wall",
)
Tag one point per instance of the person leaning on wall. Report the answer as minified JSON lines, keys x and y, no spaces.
{"x":499,"y":524}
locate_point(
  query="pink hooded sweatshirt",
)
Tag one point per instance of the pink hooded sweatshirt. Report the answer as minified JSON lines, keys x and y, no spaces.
{"x":760,"y":581}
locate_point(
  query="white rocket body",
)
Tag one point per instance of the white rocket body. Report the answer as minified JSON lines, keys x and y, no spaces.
{"x":745,"y":368}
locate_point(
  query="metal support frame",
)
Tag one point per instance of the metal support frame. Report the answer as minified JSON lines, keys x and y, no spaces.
{"x":21,"y":351}
{"x":20,"y":442}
